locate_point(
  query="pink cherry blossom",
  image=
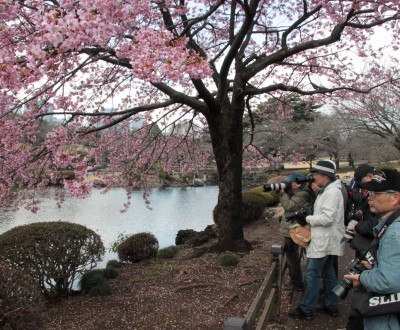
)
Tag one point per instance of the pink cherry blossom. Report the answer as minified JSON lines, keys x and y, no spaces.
{"x":137,"y":85}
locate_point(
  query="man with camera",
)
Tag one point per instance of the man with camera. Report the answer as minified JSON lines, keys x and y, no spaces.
{"x":359,"y":232}
{"x":365,"y":219}
{"x":296,"y":194}
{"x":327,"y":230}
{"x":383,"y":277}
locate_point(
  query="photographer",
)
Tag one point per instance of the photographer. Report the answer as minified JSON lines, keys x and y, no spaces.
{"x":366,"y":220}
{"x":293,"y":198}
{"x":384,"y":200}
{"x":327,"y":229}
{"x":359,"y":232}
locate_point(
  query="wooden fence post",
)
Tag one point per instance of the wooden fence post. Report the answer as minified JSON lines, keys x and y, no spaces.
{"x":276,"y":251}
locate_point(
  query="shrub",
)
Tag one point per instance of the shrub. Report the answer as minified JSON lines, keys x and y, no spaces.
{"x":53,"y":253}
{"x":253,"y":207}
{"x":94,"y":283}
{"x":138,"y":247}
{"x":228,"y":260}
{"x":113,"y":263}
{"x":383,"y":166}
{"x":254,"y":201}
{"x":20,"y":299}
{"x":271,"y":197}
{"x":168,"y":252}
{"x":102,"y":289}
{"x":110,"y":272}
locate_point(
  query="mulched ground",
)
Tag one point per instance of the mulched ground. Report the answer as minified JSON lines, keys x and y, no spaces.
{"x":182,"y":293}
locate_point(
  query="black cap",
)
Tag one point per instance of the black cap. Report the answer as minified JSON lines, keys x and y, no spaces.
{"x":362,"y":171}
{"x":383,"y":181}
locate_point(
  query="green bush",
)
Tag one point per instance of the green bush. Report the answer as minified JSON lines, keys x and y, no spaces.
{"x":91,"y":278}
{"x":113,"y":263}
{"x":254,"y":202}
{"x":253,"y":207}
{"x":228,"y":260}
{"x":94,"y":283}
{"x":102,"y":289}
{"x":383,"y":166}
{"x":53,"y":253}
{"x":168,"y":252}
{"x":271,"y":197}
{"x":21,"y":299}
{"x":141,"y":246}
{"x":110,"y":272}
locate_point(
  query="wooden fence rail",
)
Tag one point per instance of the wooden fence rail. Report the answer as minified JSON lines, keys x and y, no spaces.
{"x":266,"y":304}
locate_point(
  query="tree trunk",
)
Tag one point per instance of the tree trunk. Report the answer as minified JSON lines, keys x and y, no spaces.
{"x":226,"y":132}
{"x":397,"y":141}
{"x":351,"y":160}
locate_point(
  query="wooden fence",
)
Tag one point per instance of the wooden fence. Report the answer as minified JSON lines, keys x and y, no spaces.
{"x":266,"y":304}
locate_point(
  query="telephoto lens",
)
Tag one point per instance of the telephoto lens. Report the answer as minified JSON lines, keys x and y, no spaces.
{"x":309,"y":178}
{"x":274,"y":186}
{"x":345,"y":284}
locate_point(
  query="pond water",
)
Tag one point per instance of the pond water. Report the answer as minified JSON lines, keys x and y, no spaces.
{"x":173,"y":209}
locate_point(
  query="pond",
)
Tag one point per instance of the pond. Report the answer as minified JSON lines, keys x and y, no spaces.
{"x":173,"y":209}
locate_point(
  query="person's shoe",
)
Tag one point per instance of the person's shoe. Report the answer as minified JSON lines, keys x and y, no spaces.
{"x":298,"y":313}
{"x":293,"y":287}
{"x":333,"y":312}
{"x":299,"y":288}
{"x":288,"y":287}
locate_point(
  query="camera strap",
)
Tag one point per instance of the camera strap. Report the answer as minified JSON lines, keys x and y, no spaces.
{"x":375,"y":242}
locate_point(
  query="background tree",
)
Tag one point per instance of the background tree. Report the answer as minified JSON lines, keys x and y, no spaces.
{"x":279,"y":130}
{"x":377,"y":113}
{"x":164,"y":60}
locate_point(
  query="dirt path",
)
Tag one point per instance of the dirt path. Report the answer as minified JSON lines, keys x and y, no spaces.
{"x":322,"y":320}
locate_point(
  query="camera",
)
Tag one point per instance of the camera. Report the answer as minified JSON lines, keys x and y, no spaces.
{"x":355,"y":267}
{"x":349,"y":235}
{"x":299,"y":214}
{"x":275,"y":186}
{"x":309,"y":178}
{"x":286,"y":186}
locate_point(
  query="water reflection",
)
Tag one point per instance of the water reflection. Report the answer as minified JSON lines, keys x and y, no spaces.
{"x":173,"y":209}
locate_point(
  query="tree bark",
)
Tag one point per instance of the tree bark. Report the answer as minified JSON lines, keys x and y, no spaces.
{"x":226,"y":130}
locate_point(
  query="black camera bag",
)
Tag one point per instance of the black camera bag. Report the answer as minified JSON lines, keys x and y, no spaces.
{"x":365,"y":304}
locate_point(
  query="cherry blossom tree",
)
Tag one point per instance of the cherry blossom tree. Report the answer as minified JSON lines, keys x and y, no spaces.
{"x":103,"y":65}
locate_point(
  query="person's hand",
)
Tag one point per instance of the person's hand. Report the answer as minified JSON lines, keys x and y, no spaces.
{"x":351,"y":229}
{"x":358,"y":215}
{"x":355,"y":278}
{"x":315,"y":187}
{"x":279,"y":192}
{"x":366,"y":264}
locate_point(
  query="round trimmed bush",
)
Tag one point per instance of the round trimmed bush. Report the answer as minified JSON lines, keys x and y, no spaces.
{"x":91,"y":279}
{"x":94,"y":283}
{"x":228,"y":260}
{"x":141,"y":246}
{"x":53,"y":253}
{"x":253,"y":207}
{"x":113,"y":264}
{"x":271,"y":197}
{"x":102,"y":289}
{"x":110,"y":272}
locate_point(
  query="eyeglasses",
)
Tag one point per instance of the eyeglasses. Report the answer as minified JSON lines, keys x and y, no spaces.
{"x":390,"y":192}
